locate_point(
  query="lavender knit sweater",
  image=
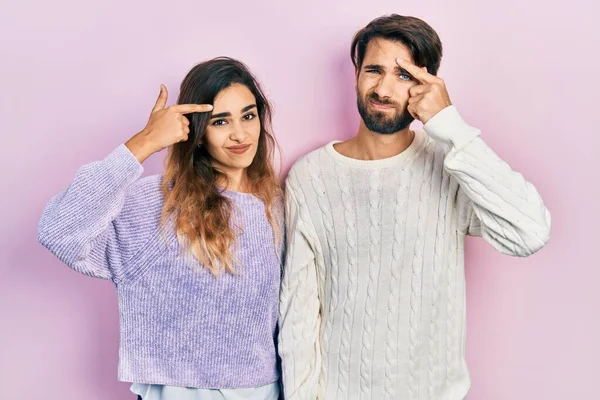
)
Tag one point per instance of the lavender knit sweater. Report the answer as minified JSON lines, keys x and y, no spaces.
{"x":179,"y":327}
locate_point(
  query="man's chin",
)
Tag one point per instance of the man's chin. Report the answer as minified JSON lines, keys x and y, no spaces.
{"x":381,"y":117}
{"x":386,"y":126}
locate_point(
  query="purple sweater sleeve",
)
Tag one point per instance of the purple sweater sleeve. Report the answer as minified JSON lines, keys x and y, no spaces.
{"x":97,"y":223}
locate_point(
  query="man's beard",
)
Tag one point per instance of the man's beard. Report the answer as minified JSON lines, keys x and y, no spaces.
{"x":378,"y":122}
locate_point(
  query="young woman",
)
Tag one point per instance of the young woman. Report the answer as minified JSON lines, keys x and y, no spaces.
{"x":195,"y":254}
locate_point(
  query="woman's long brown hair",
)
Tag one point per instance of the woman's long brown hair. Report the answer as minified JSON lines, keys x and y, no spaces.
{"x":194,"y":203}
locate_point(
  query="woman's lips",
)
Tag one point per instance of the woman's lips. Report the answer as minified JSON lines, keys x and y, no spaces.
{"x":239,"y":149}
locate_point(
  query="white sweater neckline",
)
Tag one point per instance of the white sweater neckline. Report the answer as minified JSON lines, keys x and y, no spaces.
{"x":409,"y":153}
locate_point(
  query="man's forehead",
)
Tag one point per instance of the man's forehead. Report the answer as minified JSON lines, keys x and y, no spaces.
{"x":383,"y":52}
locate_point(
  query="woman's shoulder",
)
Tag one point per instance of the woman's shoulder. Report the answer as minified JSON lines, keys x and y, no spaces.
{"x":146,"y":192}
{"x":148,"y":183}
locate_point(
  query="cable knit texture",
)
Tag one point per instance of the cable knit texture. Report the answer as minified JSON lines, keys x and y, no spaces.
{"x":180,"y":326}
{"x":373,"y":295}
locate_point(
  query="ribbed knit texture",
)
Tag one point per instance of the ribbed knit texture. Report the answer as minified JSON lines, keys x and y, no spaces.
{"x":180,"y":325}
{"x":373,"y":290}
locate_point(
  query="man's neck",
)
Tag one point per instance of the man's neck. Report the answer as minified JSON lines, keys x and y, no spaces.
{"x":367,"y":145}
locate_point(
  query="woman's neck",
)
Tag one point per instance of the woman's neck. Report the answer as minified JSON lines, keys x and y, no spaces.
{"x":235,"y":181}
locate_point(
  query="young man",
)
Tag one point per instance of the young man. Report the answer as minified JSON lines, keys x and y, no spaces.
{"x":373,"y":295}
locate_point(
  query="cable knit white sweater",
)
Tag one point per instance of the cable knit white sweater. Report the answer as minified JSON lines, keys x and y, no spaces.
{"x":373,"y":295}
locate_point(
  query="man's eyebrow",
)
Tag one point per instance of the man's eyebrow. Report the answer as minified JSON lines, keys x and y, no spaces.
{"x":402,"y":70}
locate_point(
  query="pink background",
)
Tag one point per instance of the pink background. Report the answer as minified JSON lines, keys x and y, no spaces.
{"x":80,"y":77}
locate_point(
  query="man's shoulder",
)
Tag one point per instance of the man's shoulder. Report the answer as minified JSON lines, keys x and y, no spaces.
{"x":299,"y":173}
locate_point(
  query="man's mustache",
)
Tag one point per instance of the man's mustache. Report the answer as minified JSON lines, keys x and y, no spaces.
{"x":376,"y":98}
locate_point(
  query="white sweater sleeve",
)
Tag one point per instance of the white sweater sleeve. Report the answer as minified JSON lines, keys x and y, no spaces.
{"x":299,"y":315}
{"x":494,"y":201}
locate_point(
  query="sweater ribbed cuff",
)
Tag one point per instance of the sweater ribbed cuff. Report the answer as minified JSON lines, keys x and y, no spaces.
{"x":447,"y":126}
{"x":123,"y":166}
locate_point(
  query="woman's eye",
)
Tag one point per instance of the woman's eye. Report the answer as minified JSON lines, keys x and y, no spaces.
{"x":219,"y":122}
{"x":250,"y":116}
